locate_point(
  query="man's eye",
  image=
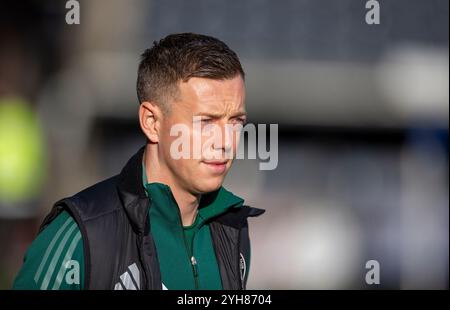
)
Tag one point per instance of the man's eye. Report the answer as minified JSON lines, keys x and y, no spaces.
{"x":207,"y":120}
{"x":239,"y":120}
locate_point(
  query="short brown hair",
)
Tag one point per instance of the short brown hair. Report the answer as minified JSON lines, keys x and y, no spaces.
{"x":179,"y":57}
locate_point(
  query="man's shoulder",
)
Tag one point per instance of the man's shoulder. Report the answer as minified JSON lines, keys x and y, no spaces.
{"x":103,"y":187}
{"x":58,"y":225}
{"x":100,"y":198}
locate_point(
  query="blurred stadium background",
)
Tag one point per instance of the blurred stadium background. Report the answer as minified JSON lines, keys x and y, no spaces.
{"x":363,"y":114}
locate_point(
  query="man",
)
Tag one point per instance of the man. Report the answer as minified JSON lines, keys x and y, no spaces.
{"x":164,"y":222}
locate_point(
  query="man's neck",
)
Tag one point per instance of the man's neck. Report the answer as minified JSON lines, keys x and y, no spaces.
{"x":159,"y":172}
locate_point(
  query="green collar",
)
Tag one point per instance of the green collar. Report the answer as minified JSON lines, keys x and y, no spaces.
{"x":211,"y":204}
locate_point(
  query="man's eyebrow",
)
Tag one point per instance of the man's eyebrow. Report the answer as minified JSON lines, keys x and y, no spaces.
{"x":240,"y":113}
{"x":209,"y":114}
{"x":219,"y":115}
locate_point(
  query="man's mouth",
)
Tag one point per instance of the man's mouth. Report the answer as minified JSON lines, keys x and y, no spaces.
{"x":217,"y":166}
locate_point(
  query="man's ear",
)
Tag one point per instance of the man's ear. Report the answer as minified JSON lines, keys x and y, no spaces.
{"x":150,"y":117}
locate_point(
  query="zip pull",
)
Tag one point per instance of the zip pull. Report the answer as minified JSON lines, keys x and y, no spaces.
{"x":194,"y":265}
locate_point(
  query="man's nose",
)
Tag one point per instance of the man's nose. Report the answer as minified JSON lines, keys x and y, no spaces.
{"x":224,"y":139}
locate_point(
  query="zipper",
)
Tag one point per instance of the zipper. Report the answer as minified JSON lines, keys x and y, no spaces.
{"x":241,"y":281}
{"x":193,"y":261}
{"x":148,"y":273}
{"x":194,"y":268}
{"x":142,"y":259}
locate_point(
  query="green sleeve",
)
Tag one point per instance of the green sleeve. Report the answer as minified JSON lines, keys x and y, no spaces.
{"x":54,"y":260}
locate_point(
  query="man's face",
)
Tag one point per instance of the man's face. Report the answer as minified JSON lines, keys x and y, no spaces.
{"x":214,"y":104}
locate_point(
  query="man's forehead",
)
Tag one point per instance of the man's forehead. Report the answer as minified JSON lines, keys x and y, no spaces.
{"x":212,"y":87}
{"x":210,"y":95}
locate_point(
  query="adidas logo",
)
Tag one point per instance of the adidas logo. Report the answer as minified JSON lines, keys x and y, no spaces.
{"x":130,"y":279}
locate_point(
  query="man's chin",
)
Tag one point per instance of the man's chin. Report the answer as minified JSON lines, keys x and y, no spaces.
{"x":209,"y":187}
